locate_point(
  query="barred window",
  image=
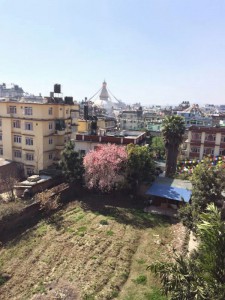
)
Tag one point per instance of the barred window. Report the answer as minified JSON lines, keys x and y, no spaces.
{"x":29,"y":156}
{"x":28,"y":111}
{"x":17,"y":153}
{"x":17,"y":139}
{"x":29,"y":141}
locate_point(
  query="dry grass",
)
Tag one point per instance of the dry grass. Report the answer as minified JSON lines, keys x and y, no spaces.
{"x":8,"y":208}
{"x":77,"y":255}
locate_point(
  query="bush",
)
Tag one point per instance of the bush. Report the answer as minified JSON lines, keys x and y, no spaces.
{"x":104,"y":222}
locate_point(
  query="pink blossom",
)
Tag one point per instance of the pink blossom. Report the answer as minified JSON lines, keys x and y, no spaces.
{"x":103,"y":166}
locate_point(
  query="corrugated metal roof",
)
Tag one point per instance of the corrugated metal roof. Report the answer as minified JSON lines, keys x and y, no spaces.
{"x":174,"y":189}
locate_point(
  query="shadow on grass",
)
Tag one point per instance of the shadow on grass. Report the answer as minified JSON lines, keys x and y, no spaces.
{"x":124,"y":210}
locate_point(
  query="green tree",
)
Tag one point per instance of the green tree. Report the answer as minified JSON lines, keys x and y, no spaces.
{"x":202,"y":275}
{"x":173,"y":128}
{"x":158,"y":146}
{"x":140,"y":165}
{"x":208,"y":184}
{"x":71,"y":164}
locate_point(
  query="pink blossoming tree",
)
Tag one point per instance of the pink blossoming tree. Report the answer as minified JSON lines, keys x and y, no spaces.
{"x":105,"y":167}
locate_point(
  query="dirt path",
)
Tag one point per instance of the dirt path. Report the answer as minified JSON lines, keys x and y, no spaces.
{"x":193,"y":243}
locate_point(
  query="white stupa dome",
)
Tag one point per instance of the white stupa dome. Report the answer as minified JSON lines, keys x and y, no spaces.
{"x":105,"y":101}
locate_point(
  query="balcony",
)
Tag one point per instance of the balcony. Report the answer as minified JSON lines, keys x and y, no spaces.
{"x":59,"y":147}
{"x":60,"y":132}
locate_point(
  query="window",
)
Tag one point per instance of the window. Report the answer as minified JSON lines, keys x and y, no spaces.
{"x":208,"y":151}
{"x":17,"y":139}
{"x":29,"y":156}
{"x":0,"y":122}
{"x":50,"y":111}
{"x":28,"y":111}
{"x":222,"y":139}
{"x":0,"y":136}
{"x":50,"y":141}
{"x":67,"y":111}
{"x":29,"y":141}
{"x":199,"y":122}
{"x":210,"y":137}
{"x":1,"y":151}
{"x":28,"y":126}
{"x":222,"y":151}
{"x":195,"y":149}
{"x":50,"y":125}
{"x":30,"y":171}
{"x":12,"y":110}
{"x":17,"y":153}
{"x":16,"y":124}
{"x":82,"y":152}
{"x":50,"y":156}
{"x":196,"y":136}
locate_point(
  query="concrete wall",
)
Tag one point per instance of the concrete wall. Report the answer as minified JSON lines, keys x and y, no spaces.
{"x":42,"y":115}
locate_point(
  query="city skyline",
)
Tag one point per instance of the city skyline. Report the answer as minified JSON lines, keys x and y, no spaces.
{"x":153,"y":52}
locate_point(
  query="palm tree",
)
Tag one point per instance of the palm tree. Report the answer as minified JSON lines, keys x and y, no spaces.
{"x":173,"y":130}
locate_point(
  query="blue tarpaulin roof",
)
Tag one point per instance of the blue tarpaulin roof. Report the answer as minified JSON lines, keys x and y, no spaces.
{"x":168,"y":189}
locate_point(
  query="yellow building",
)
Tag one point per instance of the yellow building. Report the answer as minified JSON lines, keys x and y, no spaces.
{"x":104,"y":124}
{"x":34,"y":133}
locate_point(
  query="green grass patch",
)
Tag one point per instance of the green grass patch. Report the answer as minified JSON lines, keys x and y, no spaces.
{"x":141,"y":261}
{"x":79,"y":217}
{"x":70,"y":230}
{"x":40,"y":289}
{"x":82,"y":229}
{"x":155,"y":295}
{"x":110,"y":232}
{"x":41,"y":230}
{"x":141,"y":279}
{"x":89,"y":297}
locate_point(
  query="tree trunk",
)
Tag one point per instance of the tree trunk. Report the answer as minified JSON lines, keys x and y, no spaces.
{"x":171,"y":160}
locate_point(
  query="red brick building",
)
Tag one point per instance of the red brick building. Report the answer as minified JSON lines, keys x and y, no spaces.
{"x":204,"y":141}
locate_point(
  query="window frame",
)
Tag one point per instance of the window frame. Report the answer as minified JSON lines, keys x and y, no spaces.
{"x":17,"y":151}
{"x":17,"y":139}
{"x":29,"y":141}
{"x":29,"y":156}
{"x":16,"y":123}
{"x":28,"y":111}
{"x":27,"y":125}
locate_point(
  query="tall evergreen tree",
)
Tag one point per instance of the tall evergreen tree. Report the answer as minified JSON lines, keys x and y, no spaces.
{"x":71,"y":164}
{"x":173,"y":130}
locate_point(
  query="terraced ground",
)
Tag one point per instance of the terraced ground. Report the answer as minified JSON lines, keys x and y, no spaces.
{"x":81,"y":253}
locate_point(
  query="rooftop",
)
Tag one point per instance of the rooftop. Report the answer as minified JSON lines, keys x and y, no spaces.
{"x":175,"y":189}
{"x":4,"y":162}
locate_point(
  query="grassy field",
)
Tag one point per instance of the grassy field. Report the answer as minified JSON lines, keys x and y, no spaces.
{"x":85,"y":253}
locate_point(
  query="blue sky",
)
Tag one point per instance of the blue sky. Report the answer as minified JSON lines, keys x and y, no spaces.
{"x":149,"y":51}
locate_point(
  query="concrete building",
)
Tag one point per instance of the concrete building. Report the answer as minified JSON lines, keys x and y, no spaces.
{"x":13,"y":91}
{"x":85,"y":142}
{"x":34,"y":134}
{"x":153,"y":122}
{"x":204,"y":141}
{"x":193,"y":116}
{"x":131,"y":119}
